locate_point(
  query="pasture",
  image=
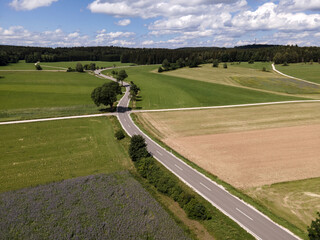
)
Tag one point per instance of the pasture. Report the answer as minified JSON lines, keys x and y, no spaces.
{"x":42,"y":152}
{"x":165,"y":91}
{"x":113,"y":206}
{"x":305,"y":71}
{"x":22,"y":65}
{"x":26,"y":95}
{"x":249,"y":76}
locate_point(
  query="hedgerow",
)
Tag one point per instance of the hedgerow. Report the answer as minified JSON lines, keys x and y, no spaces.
{"x":164,"y":181}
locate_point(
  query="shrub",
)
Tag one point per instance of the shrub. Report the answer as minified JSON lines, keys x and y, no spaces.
{"x":138,"y":148}
{"x":264,"y":69}
{"x":195,"y":210}
{"x":314,"y":229}
{"x":225,"y":65}
{"x":119,"y":135}
{"x":79,"y":67}
{"x":215,"y":63}
{"x":38,"y":67}
{"x":160,"y":70}
{"x":285,"y":64}
{"x":251,"y":61}
{"x":70,"y":69}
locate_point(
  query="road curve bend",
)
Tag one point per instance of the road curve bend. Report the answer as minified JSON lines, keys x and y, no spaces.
{"x":256,"y":223}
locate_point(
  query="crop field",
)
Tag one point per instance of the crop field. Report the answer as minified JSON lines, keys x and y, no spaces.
{"x":249,"y":76}
{"x":262,"y":150}
{"x":113,"y":206}
{"x":38,"y":153}
{"x":22,"y":65}
{"x":25,"y":95}
{"x":309,"y":72}
{"x":164,"y":91}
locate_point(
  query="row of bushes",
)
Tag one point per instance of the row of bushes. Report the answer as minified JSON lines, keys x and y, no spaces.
{"x":164,"y":181}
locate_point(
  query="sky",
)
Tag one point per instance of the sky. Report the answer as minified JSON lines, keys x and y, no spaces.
{"x":159,"y":23}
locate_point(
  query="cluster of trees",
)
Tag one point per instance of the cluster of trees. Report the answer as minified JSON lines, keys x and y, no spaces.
{"x":106,"y":94}
{"x":163,"y":181}
{"x":180,"y":63}
{"x":81,"y":68}
{"x":191,"y":56}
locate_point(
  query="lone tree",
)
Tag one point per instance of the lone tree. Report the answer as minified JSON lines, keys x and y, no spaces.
{"x":215,"y":63}
{"x":122,"y":75}
{"x":166,"y":65}
{"x":314,"y":229}
{"x":106,"y":94}
{"x":79,"y":67}
{"x":138,"y":148}
{"x":134,"y":90}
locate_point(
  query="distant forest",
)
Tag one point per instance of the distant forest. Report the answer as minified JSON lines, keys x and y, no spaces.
{"x":256,"y":52}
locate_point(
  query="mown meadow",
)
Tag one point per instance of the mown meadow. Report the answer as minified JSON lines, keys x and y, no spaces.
{"x":29,"y":95}
{"x":305,"y":71}
{"x":164,"y":91}
{"x":42,"y":152}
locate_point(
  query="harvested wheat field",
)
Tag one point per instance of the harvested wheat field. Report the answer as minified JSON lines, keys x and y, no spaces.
{"x":245,"y":147}
{"x":255,"y":158}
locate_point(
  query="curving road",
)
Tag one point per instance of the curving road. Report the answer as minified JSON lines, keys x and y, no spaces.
{"x":260,"y":226}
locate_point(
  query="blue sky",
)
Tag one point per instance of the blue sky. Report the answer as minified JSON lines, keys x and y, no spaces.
{"x":161,"y":23}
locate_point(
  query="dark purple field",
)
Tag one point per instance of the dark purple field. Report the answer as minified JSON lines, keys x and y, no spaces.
{"x":101,"y":206}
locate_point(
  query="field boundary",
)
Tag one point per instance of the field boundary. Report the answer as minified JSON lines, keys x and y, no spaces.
{"x":57,"y":118}
{"x":226,"y":106}
{"x":281,"y":73}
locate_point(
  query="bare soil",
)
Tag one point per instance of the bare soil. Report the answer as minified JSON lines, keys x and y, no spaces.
{"x":255,"y":158}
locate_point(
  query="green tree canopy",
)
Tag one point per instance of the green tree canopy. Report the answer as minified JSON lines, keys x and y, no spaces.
{"x":122,"y":75}
{"x":106,"y":94}
{"x":79,"y":67}
{"x":138,"y":148}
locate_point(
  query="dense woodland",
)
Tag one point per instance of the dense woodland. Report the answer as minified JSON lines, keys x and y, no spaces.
{"x":276,"y":53}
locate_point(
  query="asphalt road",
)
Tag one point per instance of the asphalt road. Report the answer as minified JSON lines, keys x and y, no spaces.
{"x":257,"y":224}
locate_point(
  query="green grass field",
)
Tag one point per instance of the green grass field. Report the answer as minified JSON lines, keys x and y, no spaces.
{"x":250,"y":76}
{"x":38,"y":153}
{"x":295,"y":201}
{"x":25,"y":95}
{"x":22,"y":65}
{"x":164,"y":91}
{"x":309,"y":72}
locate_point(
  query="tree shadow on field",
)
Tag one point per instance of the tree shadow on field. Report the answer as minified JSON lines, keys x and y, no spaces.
{"x":138,"y":99}
{"x":107,"y":109}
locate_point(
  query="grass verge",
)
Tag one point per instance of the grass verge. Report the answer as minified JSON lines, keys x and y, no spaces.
{"x":258,"y":205}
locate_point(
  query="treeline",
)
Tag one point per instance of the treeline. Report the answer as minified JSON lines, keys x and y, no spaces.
{"x":279,"y":54}
{"x":164,"y":181}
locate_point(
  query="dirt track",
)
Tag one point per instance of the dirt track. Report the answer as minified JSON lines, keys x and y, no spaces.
{"x":255,"y":158}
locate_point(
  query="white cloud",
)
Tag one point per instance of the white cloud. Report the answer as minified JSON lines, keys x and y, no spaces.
{"x":123,"y":22}
{"x":268,"y":17}
{"x":148,"y":42}
{"x":30,"y":4}
{"x":299,"y":5}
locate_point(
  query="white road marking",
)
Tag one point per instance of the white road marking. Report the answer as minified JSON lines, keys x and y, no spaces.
{"x":178,"y":167}
{"x":244,"y":214}
{"x":159,"y":153}
{"x":205,"y":186}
